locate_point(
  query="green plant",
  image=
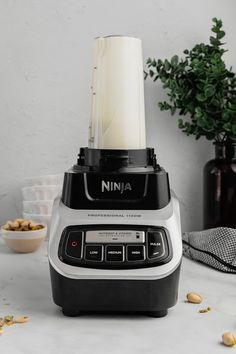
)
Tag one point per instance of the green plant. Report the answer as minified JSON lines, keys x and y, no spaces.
{"x":200,"y":87}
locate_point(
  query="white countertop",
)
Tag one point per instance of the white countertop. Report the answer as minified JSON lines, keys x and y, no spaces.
{"x":25,"y":290}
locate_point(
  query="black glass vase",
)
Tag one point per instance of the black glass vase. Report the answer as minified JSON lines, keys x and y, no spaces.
{"x":220,"y":187}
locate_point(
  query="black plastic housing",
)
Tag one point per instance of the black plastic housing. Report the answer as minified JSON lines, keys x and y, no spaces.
{"x":116,"y":179}
{"x":149,"y":296}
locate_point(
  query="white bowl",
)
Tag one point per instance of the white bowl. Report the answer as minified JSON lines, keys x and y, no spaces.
{"x":41,"y":192}
{"x":45,"y":180}
{"x":38,"y":206}
{"x":40,"y":218}
{"x":24,"y":241}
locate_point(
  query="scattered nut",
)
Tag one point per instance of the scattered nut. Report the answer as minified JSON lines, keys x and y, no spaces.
{"x":7,"y":226}
{"x":25,"y":223}
{"x":228,"y":339}
{"x":20,"y":220}
{"x":203,"y":311}
{"x":22,"y":225}
{"x":194,"y":298}
{"x":21,"y":319}
{"x":34,"y":226}
{"x":8,"y":320}
{"x":15,"y":225}
{"x":208,"y":309}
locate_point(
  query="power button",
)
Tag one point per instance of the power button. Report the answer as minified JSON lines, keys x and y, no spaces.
{"x":74,"y":244}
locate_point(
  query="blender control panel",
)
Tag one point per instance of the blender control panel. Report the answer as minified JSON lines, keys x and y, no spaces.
{"x":115,"y":246}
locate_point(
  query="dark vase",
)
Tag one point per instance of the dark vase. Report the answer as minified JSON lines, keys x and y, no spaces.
{"x":220,"y":187}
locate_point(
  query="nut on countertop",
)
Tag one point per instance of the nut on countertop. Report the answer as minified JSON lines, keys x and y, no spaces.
{"x":21,"y":319}
{"x":194,"y":298}
{"x":228,"y":339}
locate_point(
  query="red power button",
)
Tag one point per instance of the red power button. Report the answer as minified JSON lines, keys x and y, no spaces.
{"x":74,"y":244}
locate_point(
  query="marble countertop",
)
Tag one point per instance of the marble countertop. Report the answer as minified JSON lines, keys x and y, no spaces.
{"x":25,"y":290}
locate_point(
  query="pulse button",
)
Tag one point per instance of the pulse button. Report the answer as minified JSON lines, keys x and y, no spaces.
{"x":74,"y":244}
{"x":156,"y":247}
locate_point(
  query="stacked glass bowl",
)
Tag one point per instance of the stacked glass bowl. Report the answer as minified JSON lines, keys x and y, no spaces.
{"x":38,"y":196}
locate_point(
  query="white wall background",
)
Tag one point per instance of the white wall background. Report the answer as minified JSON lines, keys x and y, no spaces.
{"x":45,"y":72}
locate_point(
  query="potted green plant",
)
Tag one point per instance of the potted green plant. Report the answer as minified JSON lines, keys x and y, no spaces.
{"x":201,"y":90}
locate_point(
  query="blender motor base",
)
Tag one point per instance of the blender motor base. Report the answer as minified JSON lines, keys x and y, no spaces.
{"x":70,"y":312}
{"x":75,"y":313}
{"x":157,"y":314}
{"x":82,"y":296}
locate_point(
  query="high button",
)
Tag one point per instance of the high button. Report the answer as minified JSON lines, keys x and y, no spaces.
{"x":135,"y":253}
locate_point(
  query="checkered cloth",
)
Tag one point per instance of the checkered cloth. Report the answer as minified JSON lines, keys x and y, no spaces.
{"x":214,"y":247}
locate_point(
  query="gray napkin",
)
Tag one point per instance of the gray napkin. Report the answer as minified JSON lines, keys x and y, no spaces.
{"x":214,"y":247}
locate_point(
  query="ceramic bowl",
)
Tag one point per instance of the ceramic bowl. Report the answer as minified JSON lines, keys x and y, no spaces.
{"x":24,"y":241}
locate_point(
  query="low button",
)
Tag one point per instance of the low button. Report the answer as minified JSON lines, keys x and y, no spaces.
{"x":74,"y":244}
{"x":93,"y":253}
{"x":115,"y":253}
{"x":135,"y":253}
{"x":156,"y":248}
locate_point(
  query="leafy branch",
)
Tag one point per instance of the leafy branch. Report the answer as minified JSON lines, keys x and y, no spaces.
{"x":200,"y":88}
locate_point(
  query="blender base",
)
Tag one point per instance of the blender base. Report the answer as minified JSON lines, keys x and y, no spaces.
{"x":75,"y":313}
{"x":157,"y":314}
{"x":149,"y":297}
